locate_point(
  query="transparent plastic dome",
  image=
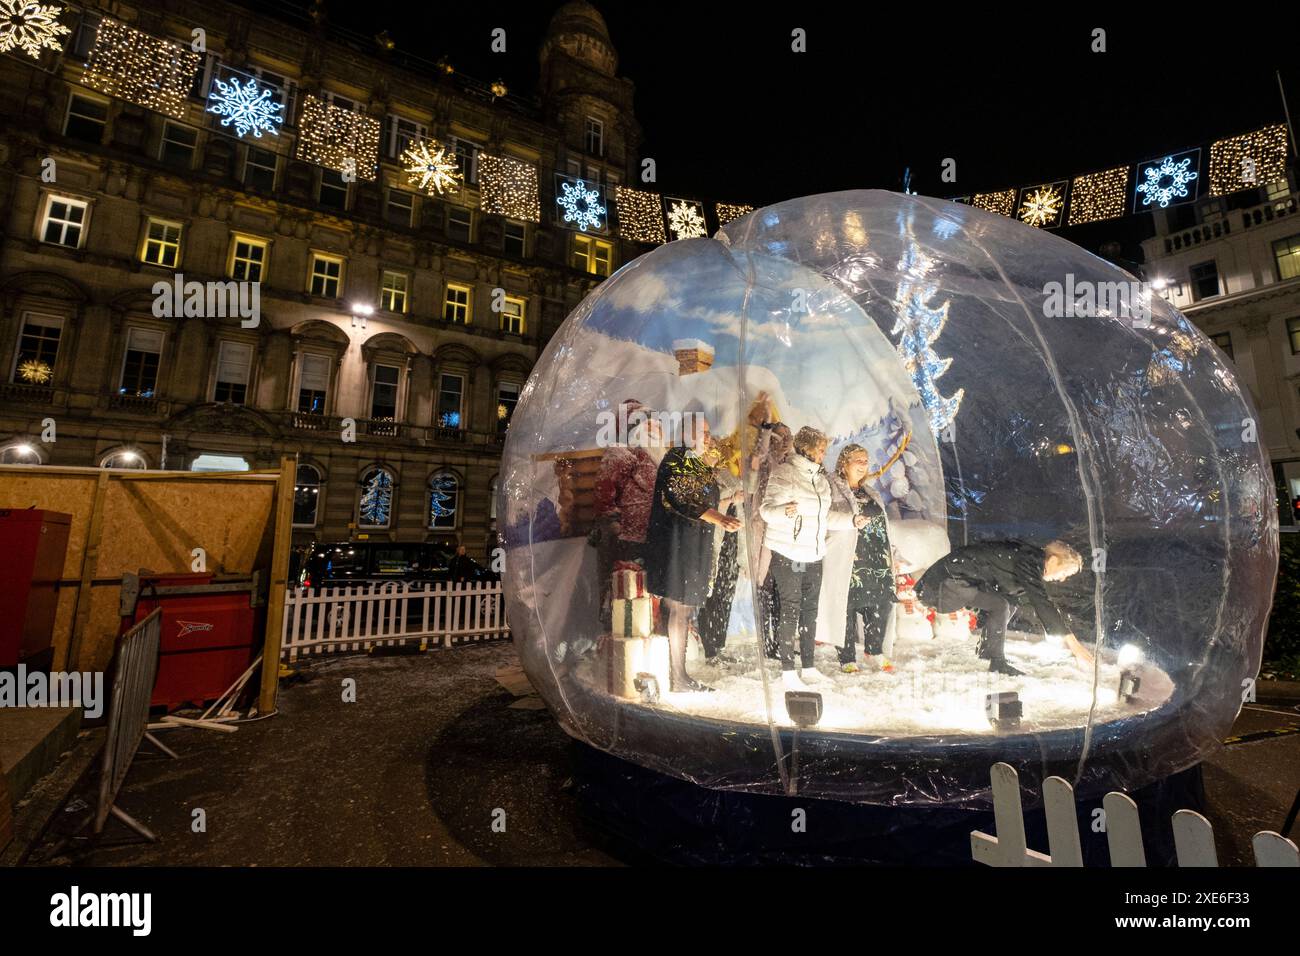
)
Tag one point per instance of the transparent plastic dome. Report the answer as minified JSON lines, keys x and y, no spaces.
{"x":1007,"y":386}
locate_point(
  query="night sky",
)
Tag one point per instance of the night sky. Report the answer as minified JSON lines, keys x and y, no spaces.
{"x":1016,"y":98}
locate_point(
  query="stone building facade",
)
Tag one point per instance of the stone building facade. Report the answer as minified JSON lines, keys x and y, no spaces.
{"x":1231,"y":264}
{"x":418,"y":317}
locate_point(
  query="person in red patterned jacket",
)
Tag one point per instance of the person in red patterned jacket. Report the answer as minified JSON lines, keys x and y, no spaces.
{"x":625,"y":485}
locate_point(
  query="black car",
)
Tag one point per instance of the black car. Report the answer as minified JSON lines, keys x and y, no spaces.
{"x":375,"y":562}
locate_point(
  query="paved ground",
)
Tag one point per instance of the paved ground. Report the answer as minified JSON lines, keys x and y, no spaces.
{"x":414,"y":772}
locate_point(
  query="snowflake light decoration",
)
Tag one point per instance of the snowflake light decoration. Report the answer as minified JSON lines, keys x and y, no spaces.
{"x":918,"y":322}
{"x":1165,"y":181}
{"x":29,"y":26}
{"x":1042,"y":207}
{"x":685,"y":220}
{"x":34,"y":371}
{"x":246,"y":107}
{"x":581,"y":205}
{"x":432,"y":167}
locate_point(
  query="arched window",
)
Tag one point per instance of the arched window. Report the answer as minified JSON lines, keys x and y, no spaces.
{"x":375,"y":499}
{"x":444,"y":500}
{"x":124,"y":458}
{"x":306,"y":494}
{"x":20,"y":453}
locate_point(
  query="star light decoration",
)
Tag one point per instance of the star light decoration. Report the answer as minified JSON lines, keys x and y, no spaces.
{"x":246,"y":107}
{"x":685,"y":219}
{"x":1166,"y":181}
{"x":1042,"y":206}
{"x":34,"y":371}
{"x":30,"y":27}
{"x":433,"y":167}
{"x":581,"y":205}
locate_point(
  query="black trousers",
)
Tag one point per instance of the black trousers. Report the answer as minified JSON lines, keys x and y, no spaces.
{"x":954,"y":595}
{"x":798,"y":586}
{"x":874,"y":617}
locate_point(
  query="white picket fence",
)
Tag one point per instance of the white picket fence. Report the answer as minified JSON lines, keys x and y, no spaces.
{"x":391,"y":614}
{"x":1193,"y":835}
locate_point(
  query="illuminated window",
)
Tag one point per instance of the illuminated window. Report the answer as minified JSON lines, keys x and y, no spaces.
{"x":326,"y":276}
{"x":38,"y":350}
{"x":1286,"y":252}
{"x":513,"y":315}
{"x":401,"y":134}
{"x":63,"y":222}
{"x":392,"y":297}
{"x":234,"y":361}
{"x":20,"y":454}
{"x":455,"y":307}
{"x":591,"y":254}
{"x":162,"y":243}
{"x":444,"y":500}
{"x":306,"y":497}
{"x":247,"y":258}
{"x":125,"y":459}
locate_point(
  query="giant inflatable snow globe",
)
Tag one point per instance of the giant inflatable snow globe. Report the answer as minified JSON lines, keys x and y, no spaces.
{"x":871,"y":491}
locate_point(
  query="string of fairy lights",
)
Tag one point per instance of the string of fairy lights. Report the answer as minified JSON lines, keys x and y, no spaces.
{"x":157,"y":74}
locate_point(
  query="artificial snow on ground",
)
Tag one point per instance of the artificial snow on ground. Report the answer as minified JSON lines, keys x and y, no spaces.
{"x":938,"y":687}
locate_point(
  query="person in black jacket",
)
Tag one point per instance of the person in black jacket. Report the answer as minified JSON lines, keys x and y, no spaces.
{"x":996,"y":576}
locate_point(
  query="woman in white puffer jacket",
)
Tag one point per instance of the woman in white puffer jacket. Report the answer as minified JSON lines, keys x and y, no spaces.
{"x":797,"y":509}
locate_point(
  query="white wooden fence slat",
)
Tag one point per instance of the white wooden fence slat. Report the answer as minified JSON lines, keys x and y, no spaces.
{"x":1273,"y":849}
{"x":1062,"y":823}
{"x":1194,"y":840}
{"x":1123,"y":830}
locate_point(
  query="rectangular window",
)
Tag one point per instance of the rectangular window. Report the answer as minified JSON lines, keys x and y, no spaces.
{"x":162,"y":243}
{"x":451,"y":394}
{"x":313,"y":383}
{"x":455,"y":307}
{"x":247,"y":259}
{"x":400,"y":209}
{"x":507,"y":399}
{"x":86,"y":119}
{"x":1286,"y":252}
{"x":326,"y":276}
{"x":516,"y":236}
{"x":392,"y":297}
{"x":595,"y":135}
{"x":401,"y":134}
{"x":259,"y":169}
{"x":1224,"y":341}
{"x":460,"y":223}
{"x":592,"y":255}
{"x":513,"y":314}
{"x":84,"y":37}
{"x":1293,"y":333}
{"x":467,"y":156}
{"x":1278,"y":189}
{"x":1205,"y":281}
{"x":333,"y":191}
{"x":233,"y":362}
{"x":383,"y":393}
{"x":38,"y":348}
{"x":140,"y":365}
{"x":63,"y":222}
{"x":178,"y":144}
{"x":283,"y":91}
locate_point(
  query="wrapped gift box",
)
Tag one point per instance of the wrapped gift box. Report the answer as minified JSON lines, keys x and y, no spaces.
{"x":633,"y":617}
{"x":629,"y":581}
{"x":625,"y":657}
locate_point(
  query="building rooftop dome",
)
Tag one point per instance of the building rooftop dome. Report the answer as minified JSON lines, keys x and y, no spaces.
{"x":578,"y":29}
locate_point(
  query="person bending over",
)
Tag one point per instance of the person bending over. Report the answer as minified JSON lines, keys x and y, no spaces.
{"x":996,"y":576}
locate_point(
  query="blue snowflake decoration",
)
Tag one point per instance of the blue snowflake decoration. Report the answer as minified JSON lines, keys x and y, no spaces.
{"x":581,"y":205}
{"x":247,"y":107}
{"x":918,"y":322}
{"x":1165,"y":181}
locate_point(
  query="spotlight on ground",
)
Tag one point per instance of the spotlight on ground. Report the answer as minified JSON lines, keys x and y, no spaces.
{"x":647,"y":685}
{"x":1004,"y":710}
{"x":804,"y":707}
